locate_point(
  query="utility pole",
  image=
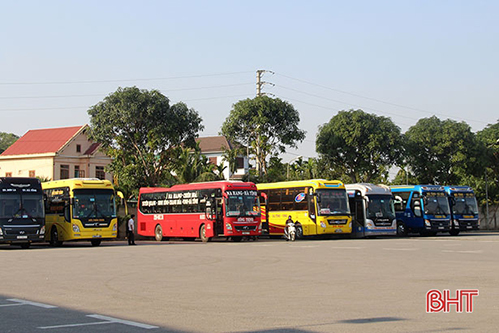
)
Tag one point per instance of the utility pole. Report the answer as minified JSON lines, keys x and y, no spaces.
{"x":260,"y":83}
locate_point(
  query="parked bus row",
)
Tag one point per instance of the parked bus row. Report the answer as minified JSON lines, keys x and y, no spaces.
{"x":85,"y":209}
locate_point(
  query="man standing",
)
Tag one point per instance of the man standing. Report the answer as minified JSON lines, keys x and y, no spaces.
{"x":131,"y":230}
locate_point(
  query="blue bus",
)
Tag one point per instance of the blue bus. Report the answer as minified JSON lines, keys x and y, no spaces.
{"x":422,"y":209}
{"x":464,"y":209}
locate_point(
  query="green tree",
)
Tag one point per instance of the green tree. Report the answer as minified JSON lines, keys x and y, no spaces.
{"x":359,"y":145}
{"x":442,"y":152}
{"x":6,"y":140}
{"x":141,"y":131}
{"x":486,"y":184}
{"x":265,"y":125}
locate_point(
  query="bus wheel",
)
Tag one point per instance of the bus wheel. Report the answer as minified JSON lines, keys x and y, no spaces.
{"x":54,"y":237}
{"x":454,"y":232}
{"x":25,"y":245}
{"x":299,"y":231}
{"x":401,"y":230}
{"x":202,"y":234}
{"x":236,"y":238}
{"x":96,"y":242}
{"x":158,"y":233}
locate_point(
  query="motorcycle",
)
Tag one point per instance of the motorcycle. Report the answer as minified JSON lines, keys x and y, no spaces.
{"x":290,"y":232}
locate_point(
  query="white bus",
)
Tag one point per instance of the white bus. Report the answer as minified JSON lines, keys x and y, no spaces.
{"x":373,"y":210}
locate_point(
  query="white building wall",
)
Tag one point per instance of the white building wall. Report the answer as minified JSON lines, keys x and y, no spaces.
{"x":21,"y":166}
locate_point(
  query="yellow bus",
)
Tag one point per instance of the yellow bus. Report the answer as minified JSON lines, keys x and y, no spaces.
{"x":79,"y":209}
{"x":317,"y":206}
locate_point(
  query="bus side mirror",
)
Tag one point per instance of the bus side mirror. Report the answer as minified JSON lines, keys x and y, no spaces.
{"x":417,"y":208}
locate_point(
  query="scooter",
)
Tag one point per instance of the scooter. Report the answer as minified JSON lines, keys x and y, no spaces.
{"x":291,"y":232}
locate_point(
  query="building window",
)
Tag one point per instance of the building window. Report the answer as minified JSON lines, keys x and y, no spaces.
{"x":78,"y":148}
{"x":99,"y":172}
{"x":213,"y":160}
{"x":8,"y":174}
{"x":32,"y":173}
{"x":64,"y":171}
{"x":79,"y":173}
{"x":240,"y":163}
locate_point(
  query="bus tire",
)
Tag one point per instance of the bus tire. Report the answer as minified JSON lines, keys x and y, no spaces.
{"x":401,"y":229}
{"x":454,"y":232}
{"x":25,"y":245}
{"x":202,"y":234}
{"x":158,"y":233}
{"x":54,"y":237}
{"x":96,"y":242}
{"x":299,"y":231}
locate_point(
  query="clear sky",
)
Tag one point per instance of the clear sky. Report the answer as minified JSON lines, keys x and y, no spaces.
{"x":401,"y":59}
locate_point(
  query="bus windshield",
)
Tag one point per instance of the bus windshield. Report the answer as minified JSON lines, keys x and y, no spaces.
{"x":94,"y":203}
{"x":242,"y":205}
{"x":380,"y":206}
{"x":465,"y":206}
{"x":21,"y":206}
{"x":332,"y":202}
{"x":436,"y":204}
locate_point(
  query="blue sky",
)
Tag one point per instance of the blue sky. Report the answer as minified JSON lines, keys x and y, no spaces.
{"x":401,"y":59}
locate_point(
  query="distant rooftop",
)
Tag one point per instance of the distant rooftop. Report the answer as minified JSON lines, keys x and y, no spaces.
{"x":42,"y":141}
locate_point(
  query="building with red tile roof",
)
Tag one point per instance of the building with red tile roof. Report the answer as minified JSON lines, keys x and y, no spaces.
{"x":55,"y":153}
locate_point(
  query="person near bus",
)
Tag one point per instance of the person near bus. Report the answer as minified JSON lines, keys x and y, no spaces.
{"x":131,"y":230}
{"x":288,"y":222}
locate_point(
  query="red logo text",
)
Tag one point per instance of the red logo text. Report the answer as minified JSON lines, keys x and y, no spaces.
{"x":438,"y":301}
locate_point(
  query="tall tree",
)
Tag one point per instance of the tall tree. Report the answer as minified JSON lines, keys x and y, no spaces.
{"x":141,"y":131}
{"x":191,"y":166}
{"x":359,"y":145}
{"x":6,"y":140}
{"x":442,"y":152}
{"x":265,"y":125}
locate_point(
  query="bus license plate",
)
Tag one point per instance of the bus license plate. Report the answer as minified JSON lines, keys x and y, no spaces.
{"x":22,"y":237}
{"x":246,"y":233}
{"x":440,"y":227}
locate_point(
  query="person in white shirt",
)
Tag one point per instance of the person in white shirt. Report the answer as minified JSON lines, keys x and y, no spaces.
{"x":131,"y":230}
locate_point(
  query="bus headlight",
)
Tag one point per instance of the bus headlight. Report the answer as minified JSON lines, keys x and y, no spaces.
{"x":427,"y":222}
{"x":369,"y":223}
{"x":76,"y":228}
{"x":456,"y":223}
{"x":1,"y":232}
{"x":228,"y":226}
{"x":42,"y":231}
{"x":323,"y":225}
{"x":114,"y":227}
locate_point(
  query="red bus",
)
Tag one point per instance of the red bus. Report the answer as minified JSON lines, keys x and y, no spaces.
{"x":204,"y":210}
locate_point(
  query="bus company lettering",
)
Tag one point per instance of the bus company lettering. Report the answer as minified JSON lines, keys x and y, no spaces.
{"x":245,"y":219}
{"x":241,"y":192}
{"x":438,"y":301}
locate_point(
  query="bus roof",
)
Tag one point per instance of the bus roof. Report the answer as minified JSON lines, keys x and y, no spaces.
{"x":419,"y":188}
{"x":369,"y":189}
{"x":74,"y":183}
{"x":453,"y":188}
{"x":315,"y":183}
{"x":223,"y":185}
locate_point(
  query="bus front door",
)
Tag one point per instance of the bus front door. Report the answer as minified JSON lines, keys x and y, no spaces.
{"x":358,"y":225}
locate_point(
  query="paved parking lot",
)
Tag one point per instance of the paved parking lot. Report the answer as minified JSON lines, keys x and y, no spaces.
{"x":372,"y":285}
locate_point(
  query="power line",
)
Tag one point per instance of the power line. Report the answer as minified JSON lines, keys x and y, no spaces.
{"x":378,"y":100}
{"x":122,"y":80}
{"x":96,"y":95}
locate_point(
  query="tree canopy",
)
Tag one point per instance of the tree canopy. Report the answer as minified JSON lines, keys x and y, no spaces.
{"x":140,"y":130}
{"x":6,"y":140}
{"x":441,"y":152}
{"x":360,"y":145}
{"x":265,"y":125}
